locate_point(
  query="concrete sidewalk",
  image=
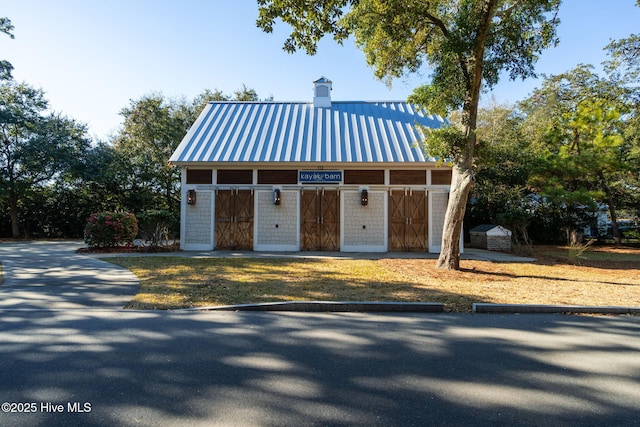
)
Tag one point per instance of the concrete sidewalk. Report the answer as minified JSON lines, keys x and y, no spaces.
{"x":51,"y":275}
{"x":469,"y":254}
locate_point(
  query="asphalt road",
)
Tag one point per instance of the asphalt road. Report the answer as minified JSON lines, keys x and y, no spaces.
{"x":114,"y":367}
{"x":50,"y":274}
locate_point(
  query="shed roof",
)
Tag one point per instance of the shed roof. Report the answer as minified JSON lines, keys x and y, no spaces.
{"x":490,"y":229}
{"x":483,"y":228}
{"x":345,"y":132}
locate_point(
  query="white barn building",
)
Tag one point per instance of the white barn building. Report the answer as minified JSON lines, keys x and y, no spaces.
{"x":321,"y":175}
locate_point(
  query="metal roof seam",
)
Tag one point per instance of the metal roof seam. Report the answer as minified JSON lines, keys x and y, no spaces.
{"x":263,"y":135}
{"x":217,"y":144}
{"x":187,"y":141}
{"x":236,"y":152}
{"x":214,"y":123}
{"x":309,"y":134}
{"x":291,"y":132}
{"x":299,"y":134}
{"x":345,"y":132}
{"x":279,"y":136}
{"x":196,"y":149}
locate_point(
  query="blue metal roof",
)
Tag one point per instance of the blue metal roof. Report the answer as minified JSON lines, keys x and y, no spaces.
{"x":346,"y":132}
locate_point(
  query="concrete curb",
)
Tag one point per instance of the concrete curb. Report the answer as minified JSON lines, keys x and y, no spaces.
{"x":414,"y":307}
{"x":533,"y":308}
{"x":333,"y":306}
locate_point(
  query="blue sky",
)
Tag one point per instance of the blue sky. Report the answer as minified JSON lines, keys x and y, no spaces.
{"x":92,"y":57}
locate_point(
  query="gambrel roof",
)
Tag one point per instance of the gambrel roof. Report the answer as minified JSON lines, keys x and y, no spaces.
{"x":272,"y":132}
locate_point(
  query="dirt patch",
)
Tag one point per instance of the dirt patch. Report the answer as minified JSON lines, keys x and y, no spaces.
{"x":605,"y":276}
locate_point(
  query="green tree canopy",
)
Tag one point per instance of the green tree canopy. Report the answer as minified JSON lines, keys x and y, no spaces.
{"x":623,"y":67}
{"x":153,"y":127}
{"x":576,"y":120}
{"x":35,"y":147}
{"x":5,"y":66}
{"x":625,"y":59}
{"x":504,"y":164}
{"x":466,"y":45}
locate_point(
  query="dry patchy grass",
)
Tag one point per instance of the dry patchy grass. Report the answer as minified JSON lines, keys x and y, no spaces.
{"x":605,"y":276}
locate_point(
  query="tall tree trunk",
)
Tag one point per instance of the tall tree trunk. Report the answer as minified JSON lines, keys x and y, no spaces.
{"x":461,"y":183}
{"x":13,"y":212}
{"x":471,"y":69}
{"x":617,"y":238}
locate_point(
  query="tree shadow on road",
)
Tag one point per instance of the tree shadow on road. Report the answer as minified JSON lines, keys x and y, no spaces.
{"x":176,"y":368}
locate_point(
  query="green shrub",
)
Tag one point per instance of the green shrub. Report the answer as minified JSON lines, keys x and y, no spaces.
{"x":157,"y":226}
{"x":110,"y":229}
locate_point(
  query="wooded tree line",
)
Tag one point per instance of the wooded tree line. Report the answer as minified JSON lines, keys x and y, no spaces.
{"x":554,"y":163}
{"x":551,"y":167}
{"x":542,"y":167}
{"x":53,"y":176}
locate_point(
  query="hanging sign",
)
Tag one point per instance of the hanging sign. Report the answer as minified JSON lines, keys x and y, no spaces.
{"x":319,"y":176}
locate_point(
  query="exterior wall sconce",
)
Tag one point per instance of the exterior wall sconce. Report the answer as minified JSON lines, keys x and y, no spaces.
{"x":276,"y":197}
{"x":364,"y":197}
{"x":191,"y":197}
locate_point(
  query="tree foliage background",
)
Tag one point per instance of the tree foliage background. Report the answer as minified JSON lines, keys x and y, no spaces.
{"x":544,"y":168}
{"x":53,"y":177}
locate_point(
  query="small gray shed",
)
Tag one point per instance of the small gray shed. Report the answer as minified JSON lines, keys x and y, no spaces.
{"x":491,"y":237}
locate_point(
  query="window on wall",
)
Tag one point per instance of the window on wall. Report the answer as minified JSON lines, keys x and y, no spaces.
{"x":199,"y":176}
{"x":441,"y":177}
{"x":235,"y":176}
{"x":408,"y":177}
{"x":364,"y":177}
{"x":322,"y":91}
{"x":266,"y":176}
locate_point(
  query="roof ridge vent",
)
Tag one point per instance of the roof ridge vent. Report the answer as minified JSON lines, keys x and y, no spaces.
{"x":322,"y":92}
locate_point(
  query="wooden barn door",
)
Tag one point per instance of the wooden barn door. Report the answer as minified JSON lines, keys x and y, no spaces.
{"x":234,"y":219}
{"x":330,"y":221}
{"x":224,"y":219}
{"x":309,"y":233}
{"x":416,"y":235}
{"x":320,"y":220}
{"x":397,"y":221}
{"x":408,"y":221}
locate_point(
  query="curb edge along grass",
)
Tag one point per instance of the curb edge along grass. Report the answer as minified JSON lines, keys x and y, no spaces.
{"x":534,"y":308}
{"x":417,"y":307}
{"x":332,"y":306}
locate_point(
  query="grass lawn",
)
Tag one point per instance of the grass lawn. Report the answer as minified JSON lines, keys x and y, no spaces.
{"x":604,"y":276}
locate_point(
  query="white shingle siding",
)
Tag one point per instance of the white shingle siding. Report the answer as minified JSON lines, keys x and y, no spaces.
{"x":364,"y":227}
{"x":277,"y":225}
{"x":438,"y":209}
{"x":198,"y":216}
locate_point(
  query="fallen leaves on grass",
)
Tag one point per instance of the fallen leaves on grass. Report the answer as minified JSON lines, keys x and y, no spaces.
{"x":610,"y":278}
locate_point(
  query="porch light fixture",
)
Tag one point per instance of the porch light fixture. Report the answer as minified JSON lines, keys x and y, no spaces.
{"x":276,"y":197}
{"x":191,"y":197}
{"x":364,"y":197}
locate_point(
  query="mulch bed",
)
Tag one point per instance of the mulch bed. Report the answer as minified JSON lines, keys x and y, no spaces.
{"x":130,"y":249}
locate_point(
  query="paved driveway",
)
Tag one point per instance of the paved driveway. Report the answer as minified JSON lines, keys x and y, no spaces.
{"x":130,"y":368}
{"x":116,"y":367}
{"x":51,"y":275}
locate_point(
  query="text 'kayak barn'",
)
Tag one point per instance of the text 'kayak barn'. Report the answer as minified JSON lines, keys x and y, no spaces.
{"x":321,"y":176}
